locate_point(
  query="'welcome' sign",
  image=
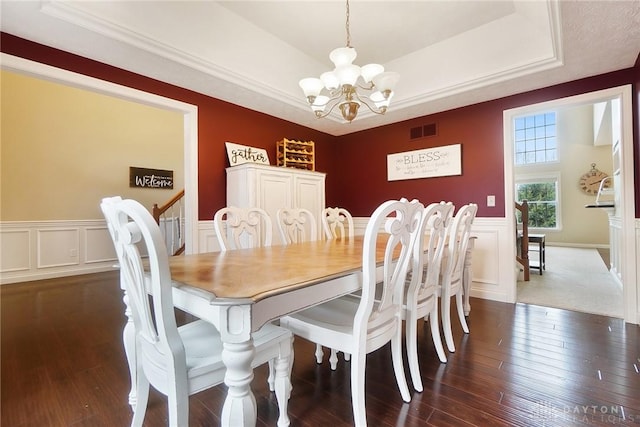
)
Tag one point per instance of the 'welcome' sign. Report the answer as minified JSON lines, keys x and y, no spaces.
{"x":150,"y":178}
{"x":426,"y":163}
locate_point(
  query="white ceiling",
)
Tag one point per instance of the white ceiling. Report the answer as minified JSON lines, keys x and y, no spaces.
{"x":253,"y":53}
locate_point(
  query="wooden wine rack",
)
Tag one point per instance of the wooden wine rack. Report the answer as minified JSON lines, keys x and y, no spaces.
{"x":296,"y":154}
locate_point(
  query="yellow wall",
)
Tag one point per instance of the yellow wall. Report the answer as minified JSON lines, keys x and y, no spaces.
{"x":63,"y":149}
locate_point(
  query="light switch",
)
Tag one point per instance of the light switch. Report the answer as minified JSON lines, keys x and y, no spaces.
{"x":491,"y":201}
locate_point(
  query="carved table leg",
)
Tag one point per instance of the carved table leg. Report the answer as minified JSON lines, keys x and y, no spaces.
{"x":239,"y":408}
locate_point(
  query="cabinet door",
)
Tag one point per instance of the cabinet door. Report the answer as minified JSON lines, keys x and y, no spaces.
{"x":274,"y":192}
{"x":309,"y":194}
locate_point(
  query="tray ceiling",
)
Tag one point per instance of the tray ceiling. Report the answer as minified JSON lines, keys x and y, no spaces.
{"x":253,"y":53}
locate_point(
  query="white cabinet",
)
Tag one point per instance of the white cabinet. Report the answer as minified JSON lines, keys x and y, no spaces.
{"x":272,"y":188}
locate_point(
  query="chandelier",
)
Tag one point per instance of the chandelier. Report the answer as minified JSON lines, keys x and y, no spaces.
{"x":347,"y":84}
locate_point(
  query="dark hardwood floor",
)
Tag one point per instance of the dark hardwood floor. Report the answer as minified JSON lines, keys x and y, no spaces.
{"x":63,"y":364}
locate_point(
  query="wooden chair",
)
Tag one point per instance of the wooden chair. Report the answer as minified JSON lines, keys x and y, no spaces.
{"x":421,"y":297}
{"x":522,"y":239}
{"x":245,"y":228}
{"x":337,"y":224}
{"x":359,"y":326}
{"x":451,"y":278}
{"x":176,"y":361}
{"x":296,"y":225}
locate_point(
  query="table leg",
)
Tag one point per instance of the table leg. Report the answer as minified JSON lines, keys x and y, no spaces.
{"x":239,"y":408}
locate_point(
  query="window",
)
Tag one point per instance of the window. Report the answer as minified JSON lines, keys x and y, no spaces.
{"x":542,"y":196}
{"x":535,"y":139}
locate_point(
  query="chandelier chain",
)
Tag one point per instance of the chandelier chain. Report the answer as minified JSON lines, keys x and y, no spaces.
{"x":347,"y":27}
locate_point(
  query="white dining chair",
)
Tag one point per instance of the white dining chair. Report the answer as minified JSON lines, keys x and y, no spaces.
{"x":177,"y":361}
{"x":421,"y":296}
{"x":359,"y":326}
{"x":452,"y":271}
{"x":239,"y":228}
{"x":296,"y":225}
{"x":337,"y":224}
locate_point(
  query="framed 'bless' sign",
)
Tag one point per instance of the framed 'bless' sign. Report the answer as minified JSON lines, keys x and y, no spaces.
{"x":425,"y":163}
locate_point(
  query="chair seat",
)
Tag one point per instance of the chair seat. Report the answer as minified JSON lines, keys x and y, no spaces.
{"x":203,"y":346}
{"x":330,"y":322}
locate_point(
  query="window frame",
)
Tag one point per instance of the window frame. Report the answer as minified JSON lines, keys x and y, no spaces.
{"x":516,"y":141}
{"x":542,"y":178}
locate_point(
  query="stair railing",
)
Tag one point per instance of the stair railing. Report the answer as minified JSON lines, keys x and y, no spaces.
{"x":170,"y":218}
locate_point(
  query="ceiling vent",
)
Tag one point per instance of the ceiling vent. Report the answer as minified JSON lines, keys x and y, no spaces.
{"x":423,"y":131}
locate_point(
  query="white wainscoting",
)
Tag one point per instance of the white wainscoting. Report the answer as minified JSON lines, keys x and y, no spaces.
{"x":36,"y":250}
{"x":42,"y":250}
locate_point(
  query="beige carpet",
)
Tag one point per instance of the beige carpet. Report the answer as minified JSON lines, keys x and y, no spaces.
{"x":575,"y":279}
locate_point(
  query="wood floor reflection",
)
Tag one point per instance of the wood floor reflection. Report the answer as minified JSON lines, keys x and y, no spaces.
{"x":63,"y":365}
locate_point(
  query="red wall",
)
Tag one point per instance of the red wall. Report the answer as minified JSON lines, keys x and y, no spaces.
{"x":356,"y":163}
{"x":479,"y":128}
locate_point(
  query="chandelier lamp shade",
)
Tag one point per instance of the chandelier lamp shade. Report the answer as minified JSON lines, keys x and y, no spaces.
{"x":348,"y":86}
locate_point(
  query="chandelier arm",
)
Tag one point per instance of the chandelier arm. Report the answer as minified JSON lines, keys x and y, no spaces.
{"x":369,"y":87}
{"x":321,"y":115}
{"x":365,"y":100}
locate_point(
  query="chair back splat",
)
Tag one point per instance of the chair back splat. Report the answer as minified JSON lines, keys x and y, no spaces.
{"x":243,"y":228}
{"x":296,"y":225}
{"x":337,"y":224}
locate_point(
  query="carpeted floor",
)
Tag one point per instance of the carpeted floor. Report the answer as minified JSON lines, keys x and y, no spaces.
{"x":575,"y":279}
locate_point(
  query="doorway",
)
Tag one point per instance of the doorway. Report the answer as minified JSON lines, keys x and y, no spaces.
{"x":623,"y":242}
{"x":190,"y":112}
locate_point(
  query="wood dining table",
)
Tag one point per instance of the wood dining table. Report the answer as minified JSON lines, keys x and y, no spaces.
{"x":238,"y":291}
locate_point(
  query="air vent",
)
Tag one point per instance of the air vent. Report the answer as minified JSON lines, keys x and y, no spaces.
{"x":423,"y":131}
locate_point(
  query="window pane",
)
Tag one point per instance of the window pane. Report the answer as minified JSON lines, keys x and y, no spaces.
{"x":540,"y":156}
{"x":519,"y":124}
{"x":520,"y":147}
{"x":542,"y":200}
{"x":550,"y":143}
{"x":529,"y":122}
{"x":550,"y":130}
{"x":530,"y":145}
{"x":530,"y":157}
{"x":530,"y":133}
{"x":519,"y":135}
{"x":552,"y":155}
{"x":540,"y":132}
{"x":550,"y":118}
{"x":539,"y":120}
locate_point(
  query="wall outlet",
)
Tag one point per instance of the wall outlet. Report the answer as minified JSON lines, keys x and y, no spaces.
{"x":491,"y":201}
